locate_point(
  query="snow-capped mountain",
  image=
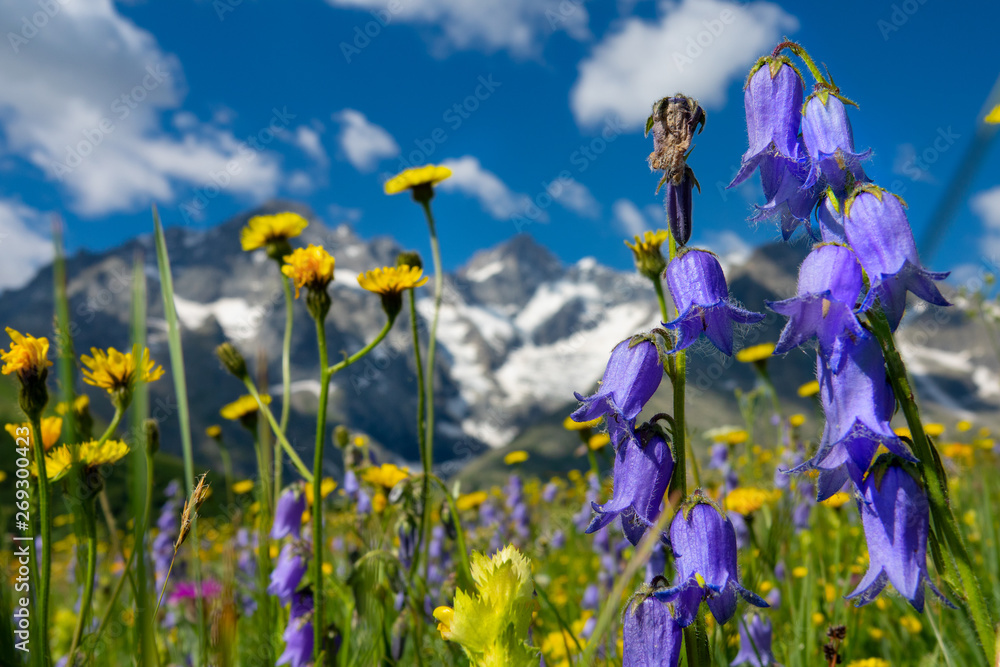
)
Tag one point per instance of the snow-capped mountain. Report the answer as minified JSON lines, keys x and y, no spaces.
{"x":519,"y":333}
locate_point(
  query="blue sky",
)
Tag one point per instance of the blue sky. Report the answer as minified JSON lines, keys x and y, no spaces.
{"x":108,"y":107}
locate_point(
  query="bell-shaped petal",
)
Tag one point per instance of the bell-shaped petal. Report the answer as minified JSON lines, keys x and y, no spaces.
{"x":830,"y":283}
{"x":829,"y":140}
{"x":704,"y":544}
{"x":641,"y":476}
{"x":298,"y":634}
{"x":879,"y":232}
{"x":699,"y":290}
{"x":772,"y":100}
{"x":651,"y":636}
{"x":788,"y":201}
{"x":895,"y":516}
{"x":630,"y":379}
{"x":831,"y":222}
{"x":755,"y":643}
{"x":288,"y":514}
{"x":287,"y":573}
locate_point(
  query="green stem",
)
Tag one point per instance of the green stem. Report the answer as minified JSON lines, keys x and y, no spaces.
{"x":696,"y":644}
{"x":319,"y":624}
{"x":679,"y":380}
{"x":946,"y":527}
{"x":425,"y":458}
{"x":336,"y":368}
{"x":286,"y":383}
{"x":113,"y":426}
{"x":276,"y":428}
{"x":432,"y":343}
{"x":562,"y":624}
{"x":88,"y":585}
{"x":798,"y":50}
{"x":45,"y":523}
{"x":465,"y":570}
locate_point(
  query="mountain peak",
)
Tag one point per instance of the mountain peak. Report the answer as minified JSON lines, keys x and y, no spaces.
{"x":524,"y":263}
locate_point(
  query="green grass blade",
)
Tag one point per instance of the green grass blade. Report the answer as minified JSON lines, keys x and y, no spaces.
{"x":64,"y":335}
{"x":183,"y":414}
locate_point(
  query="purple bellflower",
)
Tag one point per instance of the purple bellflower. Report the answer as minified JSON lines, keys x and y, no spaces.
{"x":701,"y":295}
{"x":830,"y":283}
{"x":789,"y":201}
{"x":880,"y":234}
{"x":679,"y":201}
{"x":298,"y":634}
{"x":288,"y":514}
{"x":858,"y":403}
{"x":755,"y":643}
{"x":831,"y":222}
{"x":287,"y":573}
{"x":829,"y":140}
{"x":895,"y":516}
{"x":641,"y":476}
{"x":652,"y":637}
{"x":630,"y":379}
{"x":704,"y":544}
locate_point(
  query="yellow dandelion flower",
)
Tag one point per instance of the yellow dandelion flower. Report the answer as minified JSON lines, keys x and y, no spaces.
{"x":80,"y":403}
{"x":264,"y":229}
{"x":911,"y":624}
{"x":515,"y":457}
{"x":418,"y":177}
{"x":797,"y":420}
{"x":649,"y":242}
{"x":837,"y":500}
{"x":51,"y":430}
{"x":818,"y":618}
{"x":468,"y":501}
{"x":114,"y":371}
{"x":244,"y":406}
{"x":598,"y":441}
{"x":326,"y":487}
{"x":392,"y":279}
{"x":809,"y":389}
{"x":214,"y":431}
{"x":876,"y":633}
{"x":755,"y":353}
{"x":902,"y":432}
{"x":959,"y":452}
{"x":386,"y":475}
{"x":648,"y":257}
{"x":243,"y":486}
{"x":993,"y":116}
{"x":379,"y":502}
{"x":728,"y":434}
{"x":571,"y":425}
{"x":3,"y":475}
{"x":90,"y":454}
{"x":800,"y":572}
{"x":310,"y":267}
{"x":28,"y":356}
{"x":963,"y":426}
{"x":934,"y":429}
{"x":747,"y":499}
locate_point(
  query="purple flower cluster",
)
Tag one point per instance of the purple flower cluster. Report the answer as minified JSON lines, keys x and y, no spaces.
{"x":287,"y":575}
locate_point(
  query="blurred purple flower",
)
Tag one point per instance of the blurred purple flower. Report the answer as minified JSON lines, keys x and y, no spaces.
{"x":288,"y":514}
{"x":298,"y":634}
{"x":755,"y":643}
{"x":287,"y":573}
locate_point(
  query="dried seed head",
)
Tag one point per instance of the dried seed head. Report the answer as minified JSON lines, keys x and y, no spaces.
{"x":837,"y":632}
{"x":673,"y":121}
{"x":190,"y":511}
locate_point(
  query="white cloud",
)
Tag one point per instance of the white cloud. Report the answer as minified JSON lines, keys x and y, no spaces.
{"x":469,"y":178}
{"x":308,"y":139}
{"x":986,"y":205}
{"x":519,"y":26}
{"x":83,"y":98}
{"x":576,"y":197}
{"x":629,"y":218}
{"x":696,"y":47}
{"x":731,"y":248}
{"x":364,"y":143}
{"x":24,"y":250}
{"x":906,"y":164}
{"x":300,"y":183}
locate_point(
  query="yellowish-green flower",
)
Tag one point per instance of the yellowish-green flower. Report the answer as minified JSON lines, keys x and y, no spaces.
{"x":491,"y":623}
{"x":647,"y":253}
{"x":797,"y":420}
{"x":90,"y":454}
{"x":571,"y":425}
{"x":993,"y":116}
{"x":868,"y":662}
{"x":214,"y":431}
{"x":115,"y":371}
{"x":51,"y":430}
{"x":326,"y":487}
{"x":755,"y":353}
{"x":747,"y":499}
{"x":392,"y":279}
{"x":416,"y":179}
{"x":598,"y":441}
{"x":386,"y":475}
{"x":28,"y":356}
{"x":911,"y":624}
{"x":262,"y":230}
{"x":310,"y":267}
{"x":515,"y":457}
{"x":243,"y":407}
{"x":809,"y":389}
{"x":468,"y":501}
{"x":243,"y":486}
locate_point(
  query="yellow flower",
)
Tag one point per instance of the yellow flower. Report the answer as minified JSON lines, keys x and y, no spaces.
{"x":963,"y":426}
{"x":934,"y":429}
{"x":243,"y":486}
{"x":797,"y":420}
{"x":51,"y":430}
{"x":468,"y":501}
{"x":957,"y":450}
{"x":326,"y":487}
{"x":876,"y":633}
{"x":392,"y":279}
{"x":818,"y":618}
{"x":746,"y":499}
{"x":755,"y":353}
{"x":649,"y":242}
{"x":809,"y":389}
{"x":379,"y":501}
{"x":114,"y":371}
{"x":386,"y":475}
{"x":214,"y":431}
{"x":649,"y":260}
{"x":244,"y":406}
{"x":869,"y":662}
{"x":28,"y":356}
{"x":264,"y":229}
{"x":571,"y":425}
{"x":800,"y":572}
{"x":80,"y":403}
{"x":310,"y":267}
{"x":728,"y":434}
{"x":515,"y":457}
{"x":429,"y":175}
{"x":90,"y":454}
{"x":3,"y":475}
{"x":911,"y":624}
{"x":993,"y":116}
{"x":838,"y":499}
{"x":902,"y":432}
{"x":598,"y":441}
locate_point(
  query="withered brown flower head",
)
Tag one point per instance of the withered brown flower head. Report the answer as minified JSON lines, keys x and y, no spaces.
{"x":674,"y":121}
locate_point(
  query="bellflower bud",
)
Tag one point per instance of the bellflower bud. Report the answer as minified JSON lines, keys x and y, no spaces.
{"x":829,"y":140}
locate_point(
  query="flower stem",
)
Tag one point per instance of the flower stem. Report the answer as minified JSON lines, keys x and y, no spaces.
{"x":946,"y":527}
{"x":465,"y":571}
{"x":45,"y":523}
{"x":421,"y":435}
{"x":319,"y":624}
{"x":336,"y":368}
{"x":798,"y":50}
{"x":88,"y":585}
{"x":278,"y":432}
{"x":286,"y":383}
{"x":678,"y":377}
